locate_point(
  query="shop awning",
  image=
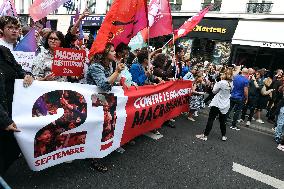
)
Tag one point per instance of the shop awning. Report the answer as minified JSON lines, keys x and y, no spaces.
{"x":268,"y":33}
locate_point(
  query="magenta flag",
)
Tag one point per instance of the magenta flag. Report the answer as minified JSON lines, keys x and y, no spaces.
{"x":160,"y":18}
{"x":8,"y":8}
{"x":41,"y":8}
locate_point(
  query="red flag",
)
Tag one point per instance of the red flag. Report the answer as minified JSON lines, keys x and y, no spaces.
{"x":124,"y":20}
{"x":189,"y":25}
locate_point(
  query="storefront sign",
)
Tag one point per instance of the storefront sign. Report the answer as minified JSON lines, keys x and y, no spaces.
{"x":199,"y":28}
{"x":90,"y":20}
{"x":212,"y":29}
{"x":273,"y":45}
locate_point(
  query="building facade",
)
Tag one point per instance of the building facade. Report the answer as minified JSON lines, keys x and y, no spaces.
{"x":241,"y":32}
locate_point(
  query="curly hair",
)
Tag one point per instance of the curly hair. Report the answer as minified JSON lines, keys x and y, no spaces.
{"x":5,"y":20}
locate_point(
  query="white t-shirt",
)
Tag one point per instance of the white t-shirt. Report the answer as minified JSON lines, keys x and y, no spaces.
{"x":221,"y":100}
{"x":6,"y":44}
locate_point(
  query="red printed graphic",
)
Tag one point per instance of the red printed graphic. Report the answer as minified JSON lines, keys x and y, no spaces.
{"x":50,"y":138}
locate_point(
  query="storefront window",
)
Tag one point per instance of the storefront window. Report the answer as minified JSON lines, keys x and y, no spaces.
{"x":92,"y":6}
{"x":216,"y":4}
{"x":175,"y":5}
{"x":221,"y":53}
{"x":255,"y":6}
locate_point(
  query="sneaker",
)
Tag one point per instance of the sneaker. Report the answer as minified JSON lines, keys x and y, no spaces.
{"x":253,"y":119}
{"x":235,"y":128}
{"x":280,"y":147}
{"x":259,"y":121}
{"x":248,"y":123}
{"x":224,"y":138}
{"x":190,"y":119}
{"x":195,"y":114}
{"x":240,"y":120}
{"x":273,"y":129}
{"x":201,"y":137}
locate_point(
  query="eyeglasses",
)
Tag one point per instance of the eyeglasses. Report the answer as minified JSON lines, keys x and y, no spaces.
{"x":53,"y":38}
{"x":13,"y":28}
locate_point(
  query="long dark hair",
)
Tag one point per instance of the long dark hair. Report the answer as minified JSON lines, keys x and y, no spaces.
{"x":101,"y":57}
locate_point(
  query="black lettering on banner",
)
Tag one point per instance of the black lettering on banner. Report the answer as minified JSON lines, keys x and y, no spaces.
{"x":109,"y":102}
{"x":149,"y":115}
{"x":49,"y":138}
{"x":155,"y":116}
{"x":138,"y":119}
{"x":162,"y":109}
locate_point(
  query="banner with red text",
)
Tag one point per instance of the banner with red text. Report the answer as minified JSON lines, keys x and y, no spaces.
{"x":68,"y":62}
{"x":61,"y":121}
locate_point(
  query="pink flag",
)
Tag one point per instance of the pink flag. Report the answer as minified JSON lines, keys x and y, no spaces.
{"x":160,"y":18}
{"x":8,"y":8}
{"x":189,"y":25}
{"x":41,"y":8}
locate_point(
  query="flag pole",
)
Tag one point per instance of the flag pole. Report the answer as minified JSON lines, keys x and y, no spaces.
{"x":174,"y":58}
{"x":167,"y":43}
{"x":149,"y":57}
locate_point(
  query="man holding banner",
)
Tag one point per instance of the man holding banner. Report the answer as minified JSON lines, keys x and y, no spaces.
{"x":9,"y":71}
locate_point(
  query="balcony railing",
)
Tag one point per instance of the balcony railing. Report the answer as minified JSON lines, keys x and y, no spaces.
{"x":175,"y":7}
{"x":216,"y":6}
{"x":259,"y":7}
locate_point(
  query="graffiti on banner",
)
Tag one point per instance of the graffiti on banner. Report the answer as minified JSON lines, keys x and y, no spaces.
{"x":68,"y":62}
{"x":25,"y":59}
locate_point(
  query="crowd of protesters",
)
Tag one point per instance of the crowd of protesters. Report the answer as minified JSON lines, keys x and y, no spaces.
{"x":230,"y":89}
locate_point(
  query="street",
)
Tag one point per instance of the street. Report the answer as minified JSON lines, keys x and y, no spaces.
{"x":178,"y":160}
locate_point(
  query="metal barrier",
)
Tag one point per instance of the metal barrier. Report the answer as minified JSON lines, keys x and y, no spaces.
{"x":3,"y":184}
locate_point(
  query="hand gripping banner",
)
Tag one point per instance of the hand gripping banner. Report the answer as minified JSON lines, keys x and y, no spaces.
{"x":62,"y":121}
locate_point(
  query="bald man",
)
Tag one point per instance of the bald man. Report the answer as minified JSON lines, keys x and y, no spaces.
{"x":239,"y":96}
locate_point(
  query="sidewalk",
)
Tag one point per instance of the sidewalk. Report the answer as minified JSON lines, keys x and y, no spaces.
{"x":265,"y":128}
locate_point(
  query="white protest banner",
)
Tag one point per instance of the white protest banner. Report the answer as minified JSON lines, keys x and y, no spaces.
{"x":25,"y":59}
{"x":61,"y":121}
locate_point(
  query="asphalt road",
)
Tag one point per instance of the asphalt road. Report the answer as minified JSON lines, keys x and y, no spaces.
{"x":178,"y":160}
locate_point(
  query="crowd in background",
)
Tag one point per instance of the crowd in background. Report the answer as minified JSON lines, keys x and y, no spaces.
{"x":229,"y":89}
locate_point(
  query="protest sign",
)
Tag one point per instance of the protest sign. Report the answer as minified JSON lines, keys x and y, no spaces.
{"x":68,"y":62}
{"x":25,"y":59}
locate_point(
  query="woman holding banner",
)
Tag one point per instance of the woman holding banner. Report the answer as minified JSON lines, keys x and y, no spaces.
{"x":101,"y":74}
{"x":219,"y":105}
{"x":43,"y":61}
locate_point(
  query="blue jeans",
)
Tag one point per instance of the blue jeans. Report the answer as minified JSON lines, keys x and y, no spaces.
{"x":280,"y":124}
{"x":237,"y":105}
